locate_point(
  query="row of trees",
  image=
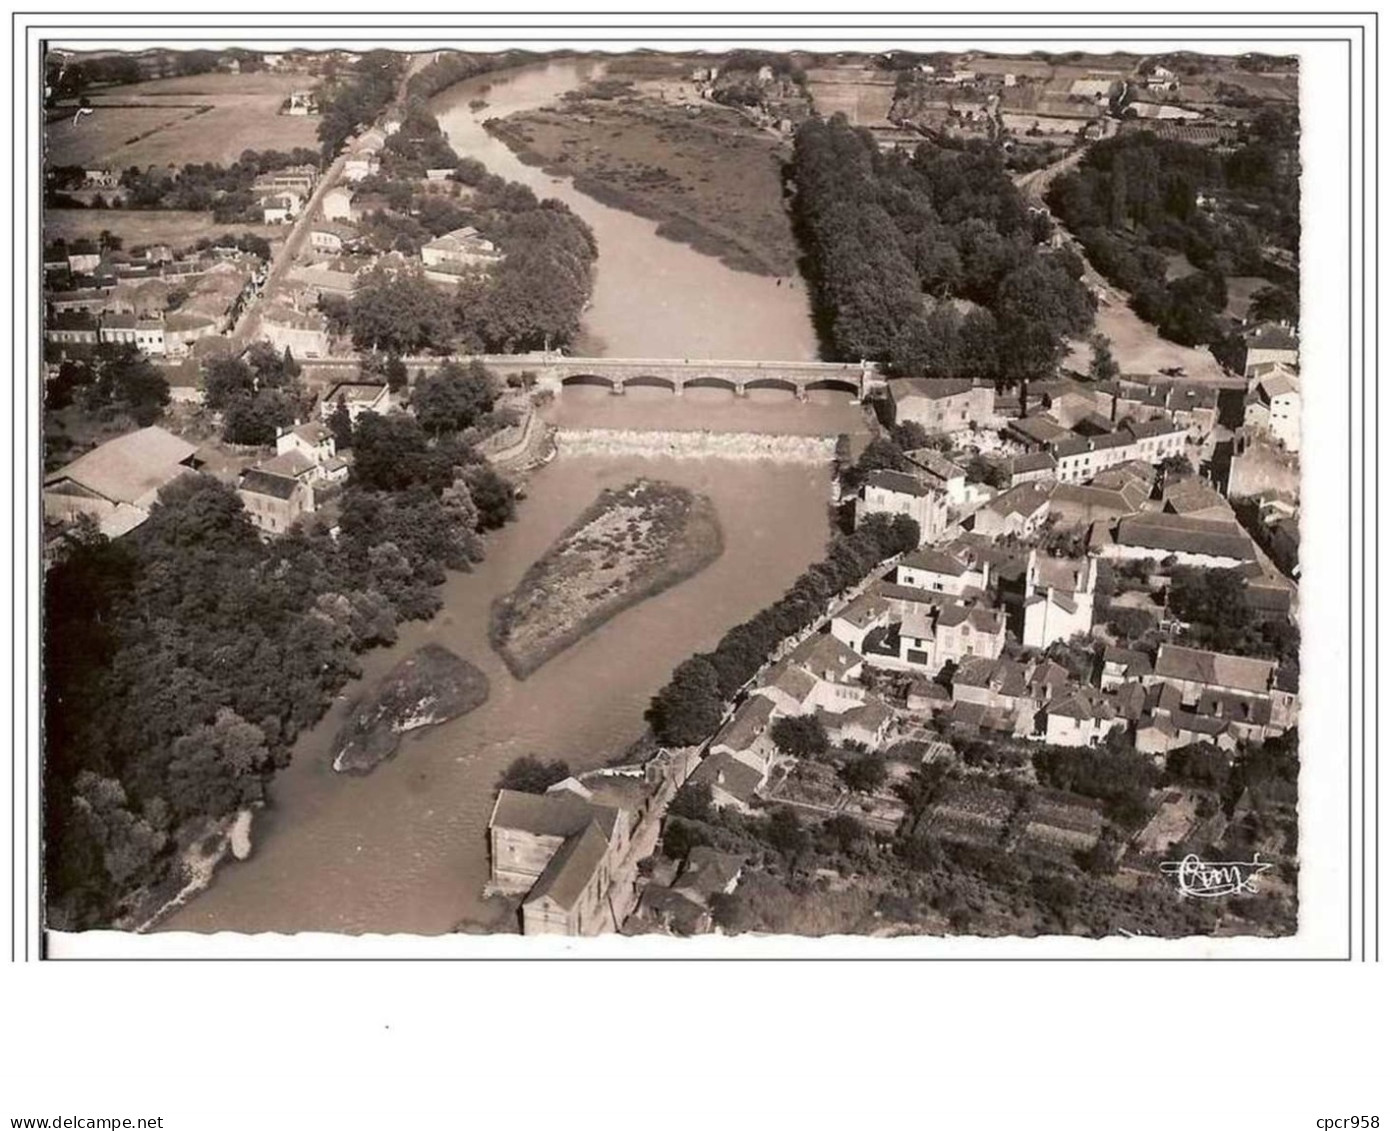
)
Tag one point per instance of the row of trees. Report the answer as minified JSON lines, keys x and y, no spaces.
{"x":688,"y":709}
{"x":66,"y":78}
{"x":183,"y":660}
{"x":450,"y":67}
{"x":895,"y":241}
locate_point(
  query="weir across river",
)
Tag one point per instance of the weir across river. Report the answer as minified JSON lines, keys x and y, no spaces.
{"x":554,"y":371}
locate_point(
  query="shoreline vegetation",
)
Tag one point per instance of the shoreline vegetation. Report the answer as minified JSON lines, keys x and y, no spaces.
{"x":630,"y":544}
{"x":710,"y":180}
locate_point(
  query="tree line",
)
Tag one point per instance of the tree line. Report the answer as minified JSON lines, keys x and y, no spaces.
{"x":688,"y":709}
{"x":183,"y":660}
{"x":931,"y":262}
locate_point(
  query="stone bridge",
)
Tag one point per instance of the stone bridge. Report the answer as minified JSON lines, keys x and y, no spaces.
{"x":554,"y":371}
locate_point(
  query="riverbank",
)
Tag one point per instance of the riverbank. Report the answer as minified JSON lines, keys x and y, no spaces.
{"x":630,"y":544}
{"x":696,"y":445}
{"x":711,"y":179}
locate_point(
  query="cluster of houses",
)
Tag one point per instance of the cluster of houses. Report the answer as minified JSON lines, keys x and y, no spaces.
{"x":981,"y":585}
{"x":282,"y":194}
{"x":161,"y":303}
{"x":1025,"y":101}
{"x":306,"y":467}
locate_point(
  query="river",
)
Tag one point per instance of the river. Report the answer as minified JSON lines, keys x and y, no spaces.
{"x":652,"y":297}
{"x":404,"y":848}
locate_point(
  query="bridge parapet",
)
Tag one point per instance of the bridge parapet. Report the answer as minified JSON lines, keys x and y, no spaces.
{"x":553,"y":370}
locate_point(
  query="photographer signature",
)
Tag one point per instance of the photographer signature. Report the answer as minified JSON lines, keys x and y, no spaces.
{"x":1206,"y":879}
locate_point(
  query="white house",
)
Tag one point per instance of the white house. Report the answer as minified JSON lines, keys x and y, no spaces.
{"x":1083,"y":718}
{"x":952,"y":571}
{"x":941,"y":405}
{"x":304,"y":333}
{"x":458,"y":252}
{"x":1188,"y":541}
{"x":1274,"y":405}
{"x":1018,"y":511}
{"x":357,"y":397}
{"x":337,"y":204}
{"x":1059,"y":598}
{"x":146,"y":334}
{"x":280,"y":208}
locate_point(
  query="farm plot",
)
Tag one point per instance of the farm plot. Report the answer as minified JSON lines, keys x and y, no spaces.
{"x":197,"y":118}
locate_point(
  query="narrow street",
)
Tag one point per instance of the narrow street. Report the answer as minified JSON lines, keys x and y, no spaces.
{"x":249,"y":325}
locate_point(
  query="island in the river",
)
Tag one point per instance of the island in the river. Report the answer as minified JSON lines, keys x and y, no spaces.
{"x":630,"y":544}
{"x":710,"y":176}
{"x":428,"y":687}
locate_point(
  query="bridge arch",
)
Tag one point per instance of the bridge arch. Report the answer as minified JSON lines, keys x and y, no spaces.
{"x":844,"y":384}
{"x":650,"y":380}
{"x":772,"y":383}
{"x":712,"y":381}
{"x":592,"y":379}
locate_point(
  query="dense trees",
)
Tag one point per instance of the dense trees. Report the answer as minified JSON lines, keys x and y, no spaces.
{"x":223,"y":190}
{"x":1215,"y":606}
{"x":1133,"y":201}
{"x":115,"y":377}
{"x":183,"y":660}
{"x":257,"y":394}
{"x":1120,"y":778}
{"x":400,"y":312}
{"x":454,"y":397}
{"x":532,"y":298}
{"x":800,"y":736}
{"x":866,"y":774}
{"x":688,"y":709}
{"x":895,"y":241}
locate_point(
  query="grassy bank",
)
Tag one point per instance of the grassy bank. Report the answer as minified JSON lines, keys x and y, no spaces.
{"x":707,"y":176}
{"x":630,"y":544}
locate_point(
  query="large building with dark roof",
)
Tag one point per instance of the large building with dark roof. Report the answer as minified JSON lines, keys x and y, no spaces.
{"x":1189,"y":541}
{"x":560,"y":849}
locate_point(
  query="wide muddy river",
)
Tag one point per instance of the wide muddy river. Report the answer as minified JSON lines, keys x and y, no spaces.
{"x":404,"y":849}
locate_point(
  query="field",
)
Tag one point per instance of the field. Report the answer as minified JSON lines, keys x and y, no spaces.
{"x":708,"y":176}
{"x":1138,"y":348}
{"x":864,"y":95}
{"x":182,"y":121}
{"x":139,"y":228}
{"x":632,"y":543}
